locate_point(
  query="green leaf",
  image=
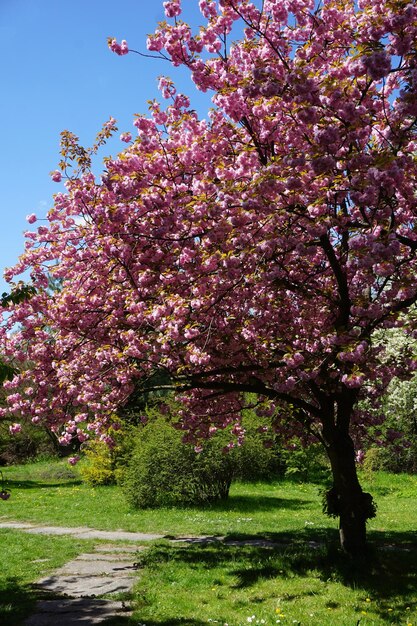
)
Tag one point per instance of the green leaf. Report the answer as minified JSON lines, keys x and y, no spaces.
{"x":19,"y":294}
{"x":6,"y":372}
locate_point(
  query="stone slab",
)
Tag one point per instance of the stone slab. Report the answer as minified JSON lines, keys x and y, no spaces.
{"x":77,"y":586}
{"x":82,"y":532}
{"x":73,"y":612}
{"x":109,"y":548}
{"x":17,"y":525}
{"x":114,"y":557}
{"x":106,"y":567}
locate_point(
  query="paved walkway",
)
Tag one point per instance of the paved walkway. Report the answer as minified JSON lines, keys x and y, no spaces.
{"x":81,"y":532}
{"x":75,"y":588}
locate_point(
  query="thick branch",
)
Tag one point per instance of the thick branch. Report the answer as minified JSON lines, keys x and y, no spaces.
{"x":255,"y":386}
{"x":344,"y":299}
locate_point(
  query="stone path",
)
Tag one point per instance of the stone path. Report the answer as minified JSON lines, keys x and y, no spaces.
{"x":81,"y":532}
{"x":75,"y":587}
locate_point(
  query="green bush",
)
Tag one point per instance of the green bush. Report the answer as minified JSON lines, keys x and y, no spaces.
{"x":305,"y":462}
{"x":374,"y":460}
{"x":98,"y":466}
{"x":164,"y":471}
{"x":395,"y":458}
{"x":254,"y":460}
{"x":32,"y":442}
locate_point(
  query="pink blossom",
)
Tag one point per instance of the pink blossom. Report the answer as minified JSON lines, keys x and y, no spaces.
{"x":81,"y":435}
{"x":360,"y":456}
{"x":126,"y":137}
{"x":172,"y":8}
{"x":377,"y":64}
{"x":15,"y":428}
{"x":207,"y":8}
{"x":73,"y":460}
{"x":155,"y":42}
{"x":65,"y":439}
{"x":110,"y":124}
{"x":56,"y":176}
{"x":31,"y":218}
{"x":120,"y":49}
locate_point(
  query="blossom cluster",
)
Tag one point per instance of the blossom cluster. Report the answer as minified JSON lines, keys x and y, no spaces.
{"x":253,"y":251}
{"x":119,"y":48}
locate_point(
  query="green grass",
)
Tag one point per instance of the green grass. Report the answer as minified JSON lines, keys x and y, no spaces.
{"x":51,"y":492}
{"x":305,"y":579}
{"x":47,"y":493}
{"x":289,"y":584}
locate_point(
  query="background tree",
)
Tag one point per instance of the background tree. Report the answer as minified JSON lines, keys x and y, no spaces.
{"x":253,"y":251}
{"x":391,"y":443}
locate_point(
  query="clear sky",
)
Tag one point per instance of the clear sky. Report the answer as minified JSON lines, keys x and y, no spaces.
{"x":57,"y":73}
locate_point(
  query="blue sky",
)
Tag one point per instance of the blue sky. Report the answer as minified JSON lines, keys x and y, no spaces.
{"x":57,"y":73}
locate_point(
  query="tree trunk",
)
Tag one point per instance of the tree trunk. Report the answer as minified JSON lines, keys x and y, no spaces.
{"x":346,"y":499}
{"x":346,"y":495}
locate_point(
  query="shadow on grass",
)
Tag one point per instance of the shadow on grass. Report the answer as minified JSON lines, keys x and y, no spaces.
{"x":17,"y":601}
{"x":179,"y":621}
{"x":120,"y":621}
{"x":250,"y":503}
{"x":386,"y":571}
{"x":33,"y":484}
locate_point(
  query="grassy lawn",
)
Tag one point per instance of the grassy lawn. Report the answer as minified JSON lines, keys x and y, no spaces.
{"x":292,"y":584}
{"x":51,"y":492}
{"x":302,"y":580}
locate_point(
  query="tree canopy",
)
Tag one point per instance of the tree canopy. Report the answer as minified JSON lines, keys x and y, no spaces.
{"x":255,"y":250}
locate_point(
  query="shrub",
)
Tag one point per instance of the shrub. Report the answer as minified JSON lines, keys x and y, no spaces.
{"x":32,"y":442}
{"x":305,"y":462}
{"x":374,"y":460}
{"x":255,"y":460}
{"x":98,"y":467}
{"x":391,"y":457}
{"x":164,"y":471}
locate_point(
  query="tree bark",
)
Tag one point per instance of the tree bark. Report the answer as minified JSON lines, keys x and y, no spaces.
{"x":346,"y":494}
{"x":346,"y":499}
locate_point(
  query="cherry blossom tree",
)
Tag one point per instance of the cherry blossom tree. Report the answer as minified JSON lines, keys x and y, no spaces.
{"x":254,"y":251}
